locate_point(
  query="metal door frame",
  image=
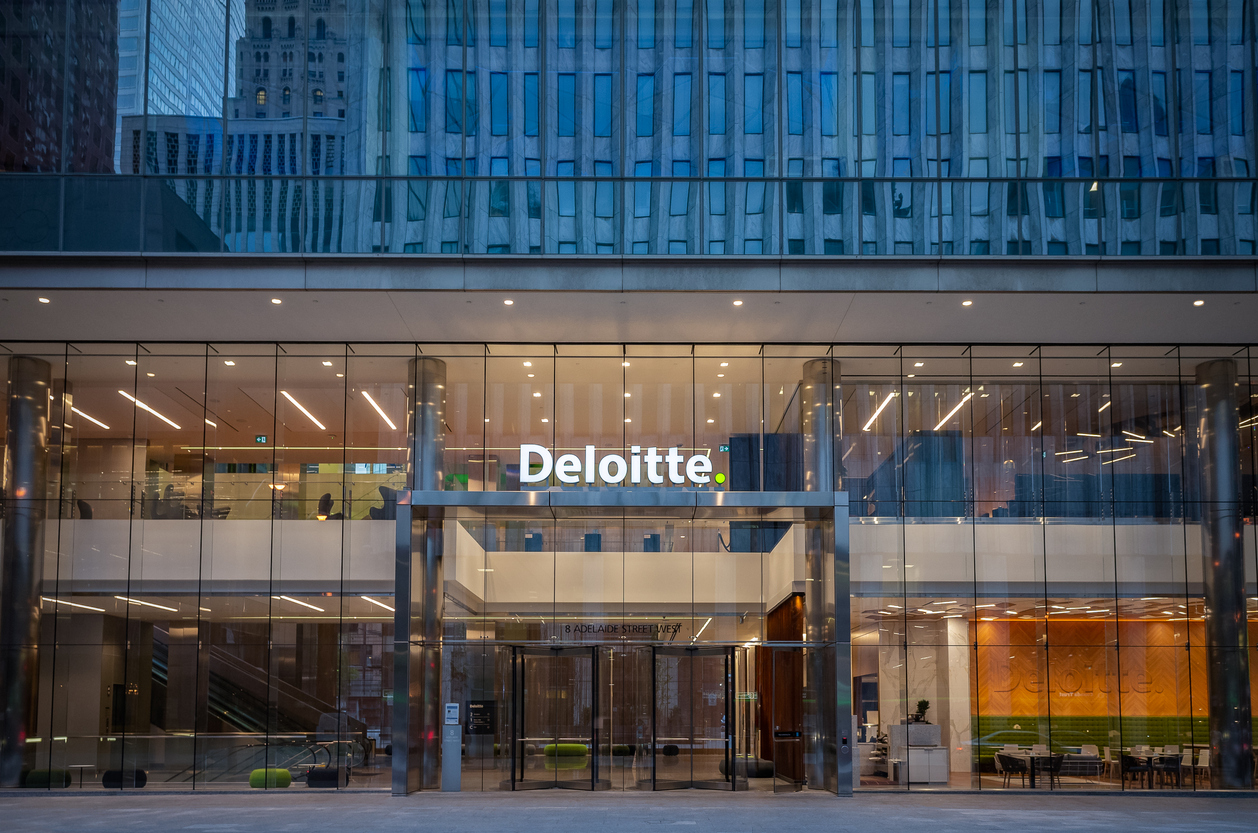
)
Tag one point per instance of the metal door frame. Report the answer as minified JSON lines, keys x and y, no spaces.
{"x":519,"y":686}
{"x":691,"y":652}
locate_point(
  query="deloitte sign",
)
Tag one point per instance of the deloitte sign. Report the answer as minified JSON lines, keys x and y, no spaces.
{"x":537,"y":465}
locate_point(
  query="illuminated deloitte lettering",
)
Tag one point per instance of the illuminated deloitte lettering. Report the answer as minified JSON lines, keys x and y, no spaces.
{"x":676,"y":468}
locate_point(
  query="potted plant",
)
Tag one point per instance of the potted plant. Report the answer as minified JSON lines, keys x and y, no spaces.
{"x":920,"y":715}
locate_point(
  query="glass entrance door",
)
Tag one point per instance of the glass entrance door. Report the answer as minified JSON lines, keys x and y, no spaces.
{"x":555,"y":723}
{"x":693,"y":718}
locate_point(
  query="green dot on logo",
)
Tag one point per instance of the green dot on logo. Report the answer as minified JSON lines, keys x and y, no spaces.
{"x":720,"y":478}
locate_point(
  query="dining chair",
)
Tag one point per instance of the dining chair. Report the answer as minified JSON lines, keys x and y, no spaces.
{"x":1039,"y":749}
{"x":1203,"y":765}
{"x":1170,"y":749}
{"x":1089,"y":749}
{"x":1166,"y":767}
{"x":1054,"y":769}
{"x":1112,"y":766}
{"x":1137,"y":768}
{"x":1012,"y":766}
{"x":1010,"y":749}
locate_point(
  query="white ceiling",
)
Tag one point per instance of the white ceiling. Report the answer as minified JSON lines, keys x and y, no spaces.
{"x":672,"y":317}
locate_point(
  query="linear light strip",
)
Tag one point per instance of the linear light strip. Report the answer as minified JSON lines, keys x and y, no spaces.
{"x":302,"y":408}
{"x":146,"y":604}
{"x":145,"y":407}
{"x":386,"y":419}
{"x":884,"y":404}
{"x":953,"y":412}
{"x":1116,"y":460}
{"x":71,"y":604}
{"x":89,"y":418}
{"x":299,"y":601}
{"x":378,"y":603}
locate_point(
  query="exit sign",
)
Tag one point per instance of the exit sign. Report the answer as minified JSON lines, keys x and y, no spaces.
{"x":260,"y":439}
{"x":724,"y":449}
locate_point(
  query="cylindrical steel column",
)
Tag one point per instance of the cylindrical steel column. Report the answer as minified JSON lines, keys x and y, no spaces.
{"x":1223,"y":571}
{"x":419,"y":616}
{"x":21,"y":564}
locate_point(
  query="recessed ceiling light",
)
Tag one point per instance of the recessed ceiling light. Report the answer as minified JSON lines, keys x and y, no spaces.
{"x":624,"y":364}
{"x":1017,"y":364}
{"x":738,"y":303}
{"x":919,"y":364}
{"x":528,"y":364}
{"x":302,"y":408}
{"x":711,"y":421}
{"x":487,"y":419}
{"x":44,"y":301}
{"x":228,"y":362}
{"x":276,"y":301}
{"x":544,"y":419}
{"x":531,"y":375}
{"x":1197,"y":303}
{"x":327,"y":364}
{"x":627,"y":419}
{"x":340,"y":375}
{"x":967,"y":303}
{"x":716,"y":395}
{"x":627,"y":394}
{"x":724,"y":364}
{"x":720,"y":375}
{"x":131,"y":362}
{"x":150,"y":375}
{"x":1116,"y":364}
{"x":912,"y":376}
{"x":537,"y":394}
{"x":508,"y":302}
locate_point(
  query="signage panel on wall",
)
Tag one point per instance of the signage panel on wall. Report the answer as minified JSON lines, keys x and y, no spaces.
{"x":671,"y":467}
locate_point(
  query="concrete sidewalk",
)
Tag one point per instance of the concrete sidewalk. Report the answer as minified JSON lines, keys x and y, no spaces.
{"x":572,"y":812}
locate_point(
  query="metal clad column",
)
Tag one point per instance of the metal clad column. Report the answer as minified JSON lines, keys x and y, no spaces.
{"x":1223,"y":571}
{"x":829,"y":659}
{"x":419,"y":615}
{"x":21,"y":564}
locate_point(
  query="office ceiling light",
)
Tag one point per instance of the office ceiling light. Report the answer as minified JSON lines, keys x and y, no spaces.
{"x":544,"y":419}
{"x":1116,"y":364}
{"x":884,"y":404}
{"x":89,"y":418}
{"x":150,"y":375}
{"x":71,"y":604}
{"x":507,"y":302}
{"x":710,"y":421}
{"x":276,"y":301}
{"x":531,"y":375}
{"x":1017,"y":364}
{"x":340,"y":375}
{"x":967,"y":303}
{"x":1086,"y":434}
{"x":130,"y":362}
{"x":912,"y":376}
{"x":299,"y":602}
{"x":1101,"y":409}
{"x":46,"y":301}
{"x":378,"y":603}
{"x":720,"y":375}
{"x":1116,"y":460}
{"x":627,"y":394}
{"x":229,"y":363}
{"x":1037,"y":425}
{"x":146,"y":604}
{"x":211,"y":424}
{"x":538,"y":394}
{"x":716,"y":395}
{"x":380,"y":411}
{"x":624,"y":364}
{"x":738,"y":303}
{"x":528,"y":364}
{"x":627,"y":419}
{"x":302,"y":408}
{"x":145,"y":407}
{"x":919,"y":364}
{"x":327,"y":364}
{"x":1198,"y":303}
{"x":953,"y":412}
{"x":724,"y":364}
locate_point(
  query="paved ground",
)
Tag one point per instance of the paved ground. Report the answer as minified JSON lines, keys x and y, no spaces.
{"x":569,"y":812}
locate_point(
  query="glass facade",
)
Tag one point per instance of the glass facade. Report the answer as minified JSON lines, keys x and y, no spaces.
{"x":618,"y":127}
{"x":1025,"y":535}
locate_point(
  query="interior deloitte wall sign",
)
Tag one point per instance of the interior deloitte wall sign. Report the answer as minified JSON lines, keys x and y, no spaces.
{"x":537,"y":464}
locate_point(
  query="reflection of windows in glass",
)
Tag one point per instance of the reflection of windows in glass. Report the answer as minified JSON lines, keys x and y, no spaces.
{"x":829,"y":24}
{"x":934,"y":170}
{"x":868,"y":105}
{"x":829,"y":104}
{"x":1169,"y":204}
{"x":938,"y":18}
{"x":980,"y":247}
{"x":459,"y":27}
{"x":499,"y":104}
{"x":755,"y":190}
{"x":464,"y":99}
{"x":642,"y":190}
{"x":417,"y":190}
{"x":1208,"y":192}
{"x":901,"y":22}
{"x":646,"y":24}
{"x":1052,"y":21}
{"x":1129,"y":192}
{"x":753,"y":247}
{"x":454,"y":188}
{"x":680,"y":193}
{"x":641,"y":247}
{"x":794,"y":103}
{"x":1122,"y":22}
{"x":1209,"y":245}
{"x":716,"y":188}
{"x":677,"y":247}
{"x":287,"y":95}
{"x":499,"y":189}
{"x":530,"y":104}
{"x":869,"y":205}
{"x":753,"y":104}
{"x":792,"y":22}
{"x":866,"y":22}
{"x":716,"y":24}
{"x":318,"y":98}
{"x":1052,"y":101}
{"x":832,"y":190}
{"x":498,"y":22}
{"x":976,"y":104}
{"x":902,"y":192}
{"x":795,"y":246}
{"x":1014,"y":8}
{"x":716,"y":104}
{"x":716,"y":247}
{"x":869,"y":247}
{"x":1127,"y":119}
{"x":1017,"y":203}
{"x":530,"y":24}
{"x":977,"y":28}
{"x":1018,"y":247}
{"x":1016,"y":98}
{"x":1199,"y":11}
{"x":645,"y":121}
{"x":533,"y":168}
{"x":900,"y":107}
{"x":1167,"y":247}
{"x":602,"y":105}
{"x":260,"y":96}
{"x":1088,"y":82}
{"x":1244,"y":190}
{"x":416,"y":8}
{"x":417,"y":104}
{"x":794,"y":190}
{"x":566,"y":188}
{"x":938,"y":118}
{"x":604,"y":192}
{"x":978,"y":190}
{"x":684,"y":24}
{"x":1092,"y":203}
{"x":1087,"y":14}
{"x":833,"y":246}
{"x":1056,"y":247}
{"x":603,"y":24}
{"x":566,"y":17}
{"x":1159,"y":103}
{"x":1236,"y":102}
{"x":566,"y":103}
{"x":753,"y":24}
{"x":1205,"y":108}
{"x":681,"y":104}
{"x":1054,"y":192}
